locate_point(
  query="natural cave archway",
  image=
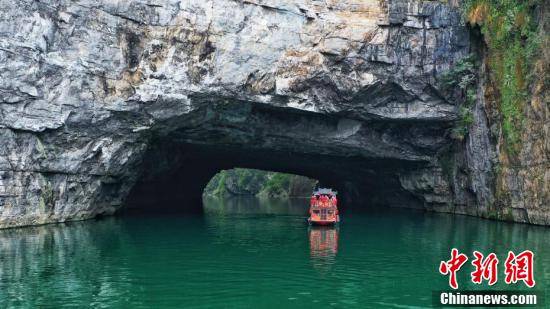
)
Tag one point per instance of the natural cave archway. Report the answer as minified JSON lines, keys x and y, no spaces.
{"x":132,"y":104}
{"x":375,"y":163}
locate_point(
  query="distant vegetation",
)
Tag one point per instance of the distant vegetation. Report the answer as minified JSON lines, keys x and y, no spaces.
{"x":241,"y":181}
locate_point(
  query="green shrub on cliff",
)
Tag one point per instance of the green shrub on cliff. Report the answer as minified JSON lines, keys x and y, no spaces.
{"x":277,"y":185}
{"x":511,"y":34}
{"x":216,"y":185}
{"x":462,"y":78}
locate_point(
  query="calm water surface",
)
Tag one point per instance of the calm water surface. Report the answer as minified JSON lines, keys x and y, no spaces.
{"x":245,"y":253}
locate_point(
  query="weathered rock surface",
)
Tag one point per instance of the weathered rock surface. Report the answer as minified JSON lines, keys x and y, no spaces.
{"x":96,"y":95}
{"x":522,"y":180}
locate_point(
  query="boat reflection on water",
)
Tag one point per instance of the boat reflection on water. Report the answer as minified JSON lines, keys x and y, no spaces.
{"x":323,"y":246}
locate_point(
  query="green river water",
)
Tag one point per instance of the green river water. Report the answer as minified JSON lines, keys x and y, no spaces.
{"x":245,"y":253}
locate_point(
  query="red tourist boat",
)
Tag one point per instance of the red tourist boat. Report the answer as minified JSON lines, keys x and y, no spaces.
{"x":323,"y":208}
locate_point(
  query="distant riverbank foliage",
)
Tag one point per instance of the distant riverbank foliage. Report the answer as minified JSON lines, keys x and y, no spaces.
{"x":242,"y":181}
{"x":510,"y":30}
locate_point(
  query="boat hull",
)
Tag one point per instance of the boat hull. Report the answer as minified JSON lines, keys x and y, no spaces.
{"x":321,"y":222}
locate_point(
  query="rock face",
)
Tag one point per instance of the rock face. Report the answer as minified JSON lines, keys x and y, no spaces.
{"x":99,"y":97}
{"x":522,"y":179}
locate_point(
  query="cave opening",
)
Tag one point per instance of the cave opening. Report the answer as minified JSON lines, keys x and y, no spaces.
{"x":243,"y":191}
{"x":175,"y":177}
{"x":178,"y":179}
{"x":259,"y":183}
{"x":371,"y":163}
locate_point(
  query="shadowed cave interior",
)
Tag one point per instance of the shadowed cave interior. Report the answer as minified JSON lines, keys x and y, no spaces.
{"x":362,"y":160}
{"x":188,"y":169}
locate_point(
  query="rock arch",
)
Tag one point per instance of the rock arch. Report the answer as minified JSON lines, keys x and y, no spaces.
{"x":95,"y":96}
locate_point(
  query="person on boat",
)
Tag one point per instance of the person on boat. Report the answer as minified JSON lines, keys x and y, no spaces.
{"x":313,"y":201}
{"x":333,"y":201}
{"x":324,"y":200}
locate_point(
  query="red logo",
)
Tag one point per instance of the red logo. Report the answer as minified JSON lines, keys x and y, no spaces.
{"x":517,"y":268}
{"x":452,"y":266}
{"x":485,"y":268}
{"x":520,"y":268}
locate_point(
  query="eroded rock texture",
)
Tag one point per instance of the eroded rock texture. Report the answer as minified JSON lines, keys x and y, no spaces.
{"x":96,"y":96}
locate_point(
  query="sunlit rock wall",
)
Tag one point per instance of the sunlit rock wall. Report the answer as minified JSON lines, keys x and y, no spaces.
{"x":86,"y":87}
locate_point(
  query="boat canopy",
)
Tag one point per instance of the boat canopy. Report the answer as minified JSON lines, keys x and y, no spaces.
{"x":325,"y":191}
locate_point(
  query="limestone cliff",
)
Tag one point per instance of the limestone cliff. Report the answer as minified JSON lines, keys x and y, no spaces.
{"x":99,"y":97}
{"x":513,"y":93}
